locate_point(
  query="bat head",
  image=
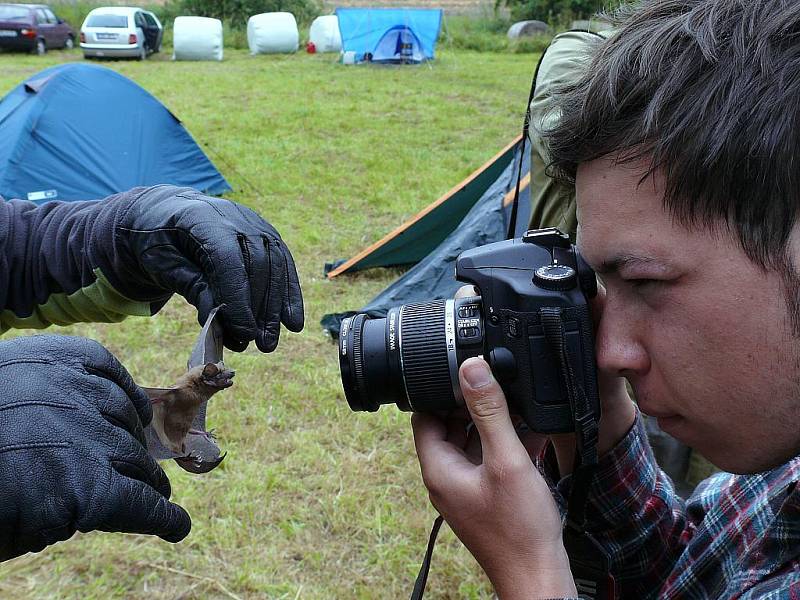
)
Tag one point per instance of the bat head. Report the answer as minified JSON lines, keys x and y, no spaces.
{"x":217,"y":376}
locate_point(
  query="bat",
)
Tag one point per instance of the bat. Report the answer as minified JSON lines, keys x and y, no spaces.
{"x":178,"y":428}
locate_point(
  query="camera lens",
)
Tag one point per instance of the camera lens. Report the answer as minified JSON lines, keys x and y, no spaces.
{"x":410,"y":358}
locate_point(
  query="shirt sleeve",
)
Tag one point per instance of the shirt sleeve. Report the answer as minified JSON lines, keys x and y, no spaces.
{"x":783,"y":585}
{"x":47,"y":272}
{"x":633,"y":512}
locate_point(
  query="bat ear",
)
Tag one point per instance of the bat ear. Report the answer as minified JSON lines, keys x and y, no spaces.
{"x":210,"y":370}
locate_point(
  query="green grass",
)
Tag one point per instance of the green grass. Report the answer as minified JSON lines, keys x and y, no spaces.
{"x":313,"y":501}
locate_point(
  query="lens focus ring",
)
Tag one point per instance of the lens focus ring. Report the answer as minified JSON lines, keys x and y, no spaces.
{"x":424,"y":351}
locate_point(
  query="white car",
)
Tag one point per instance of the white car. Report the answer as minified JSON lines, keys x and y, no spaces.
{"x":119,"y":32}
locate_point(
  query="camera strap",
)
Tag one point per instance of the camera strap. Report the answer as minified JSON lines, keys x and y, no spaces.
{"x":422,"y":577}
{"x":512,"y":224}
{"x":589,"y":562}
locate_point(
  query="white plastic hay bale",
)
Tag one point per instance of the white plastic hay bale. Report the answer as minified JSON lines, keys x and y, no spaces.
{"x":527,"y":29}
{"x":325,"y":34}
{"x":274,"y":32}
{"x":197,"y":38}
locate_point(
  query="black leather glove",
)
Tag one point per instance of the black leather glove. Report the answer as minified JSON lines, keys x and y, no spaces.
{"x":209,"y":250}
{"x":72,"y":449}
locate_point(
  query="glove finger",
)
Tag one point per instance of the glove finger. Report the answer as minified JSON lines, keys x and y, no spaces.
{"x":116,"y":407}
{"x":235,"y":345}
{"x":132,"y":460}
{"x":175,"y":271}
{"x":101,"y":363}
{"x":225,"y":271}
{"x":138,"y":508}
{"x":292,"y":314}
{"x":258,"y":263}
{"x":269,"y":326}
{"x":255,"y":220}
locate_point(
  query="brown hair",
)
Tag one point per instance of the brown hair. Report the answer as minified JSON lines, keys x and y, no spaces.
{"x":707,"y":91}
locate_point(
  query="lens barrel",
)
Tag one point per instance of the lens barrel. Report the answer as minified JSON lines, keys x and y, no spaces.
{"x":408,"y":358}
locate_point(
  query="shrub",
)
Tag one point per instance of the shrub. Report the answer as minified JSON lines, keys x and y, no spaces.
{"x":74,"y":12}
{"x":236,"y":12}
{"x":556,"y":12}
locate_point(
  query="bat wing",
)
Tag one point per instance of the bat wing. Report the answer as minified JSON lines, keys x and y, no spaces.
{"x":159,"y":393}
{"x":208,"y":347}
{"x":203,"y":454}
{"x":155,"y":446}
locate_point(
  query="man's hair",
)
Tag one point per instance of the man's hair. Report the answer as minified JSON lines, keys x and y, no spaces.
{"x":708,"y":92}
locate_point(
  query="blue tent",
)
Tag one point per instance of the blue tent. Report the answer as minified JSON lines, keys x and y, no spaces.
{"x":389,"y":35}
{"x":475,"y":212}
{"x":77,"y":132}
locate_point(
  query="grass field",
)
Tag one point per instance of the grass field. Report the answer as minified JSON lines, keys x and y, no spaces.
{"x":313,"y":501}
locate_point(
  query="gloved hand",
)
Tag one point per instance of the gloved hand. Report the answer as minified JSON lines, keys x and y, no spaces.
{"x":72,"y":449}
{"x":209,"y":250}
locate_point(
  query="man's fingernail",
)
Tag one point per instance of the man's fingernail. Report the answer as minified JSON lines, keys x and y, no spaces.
{"x":477,"y":374}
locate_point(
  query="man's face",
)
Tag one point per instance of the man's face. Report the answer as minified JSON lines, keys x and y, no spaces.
{"x":701,"y":332}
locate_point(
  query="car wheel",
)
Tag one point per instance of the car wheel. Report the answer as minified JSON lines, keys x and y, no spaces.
{"x":70,"y":43}
{"x":40,"y":48}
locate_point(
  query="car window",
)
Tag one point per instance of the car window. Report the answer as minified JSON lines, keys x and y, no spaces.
{"x":107,"y":20}
{"x":151,"y":22}
{"x":51,"y":18}
{"x":41,"y":18}
{"x":139,"y":20}
{"x":14,"y":13}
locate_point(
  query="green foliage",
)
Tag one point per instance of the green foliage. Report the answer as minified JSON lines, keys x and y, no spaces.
{"x":74,"y":11}
{"x":555,"y":11}
{"x":233,"y":13}
{"x":236,"y":12}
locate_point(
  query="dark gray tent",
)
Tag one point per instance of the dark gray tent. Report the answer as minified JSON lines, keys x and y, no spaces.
{"x":475,"y":212}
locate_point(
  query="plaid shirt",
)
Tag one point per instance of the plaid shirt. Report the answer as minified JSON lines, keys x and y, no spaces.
{"x":738,"y":536}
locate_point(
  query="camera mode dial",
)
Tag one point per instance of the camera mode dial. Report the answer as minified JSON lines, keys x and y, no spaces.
{"x":557,"y":278}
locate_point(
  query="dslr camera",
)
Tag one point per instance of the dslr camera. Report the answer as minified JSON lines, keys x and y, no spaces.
{"x":531,"y":323}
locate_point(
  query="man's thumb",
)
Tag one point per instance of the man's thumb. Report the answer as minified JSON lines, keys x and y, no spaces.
{"x":487,"y":405}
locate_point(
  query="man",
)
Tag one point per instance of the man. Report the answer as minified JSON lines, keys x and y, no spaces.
{"x":72,"y":451}
{"x":553,"y":199}
{"x":681,"y":138}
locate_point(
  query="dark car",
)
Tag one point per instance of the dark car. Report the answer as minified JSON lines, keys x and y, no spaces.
{"x":33,"y":27}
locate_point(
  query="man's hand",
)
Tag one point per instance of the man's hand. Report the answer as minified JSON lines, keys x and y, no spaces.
{"x":72,"y":448}
{"x":209,"y":250}
{"x":491,"y":494}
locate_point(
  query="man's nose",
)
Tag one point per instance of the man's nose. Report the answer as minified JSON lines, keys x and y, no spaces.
{"x":618,"y":345}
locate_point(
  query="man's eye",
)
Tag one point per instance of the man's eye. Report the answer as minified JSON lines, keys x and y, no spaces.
{"x":641,"y":283}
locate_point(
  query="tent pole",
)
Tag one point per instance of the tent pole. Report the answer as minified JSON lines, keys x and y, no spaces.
{"x":509,"y":198}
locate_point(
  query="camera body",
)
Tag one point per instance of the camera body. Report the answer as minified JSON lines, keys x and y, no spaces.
{"x":517,"y":278}
{"x":531,"y":323}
